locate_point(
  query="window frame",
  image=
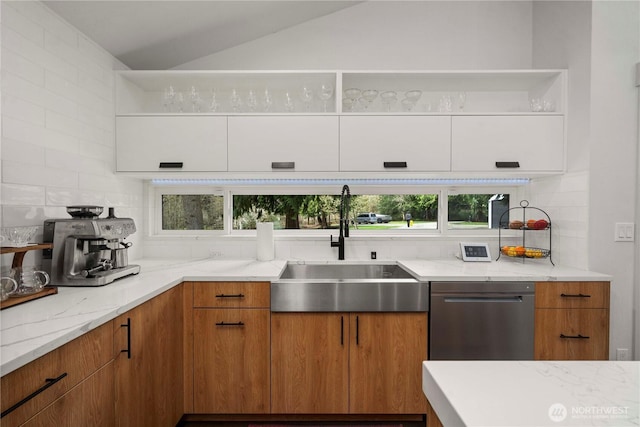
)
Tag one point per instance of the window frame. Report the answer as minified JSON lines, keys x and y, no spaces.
{"x":516,"y":193}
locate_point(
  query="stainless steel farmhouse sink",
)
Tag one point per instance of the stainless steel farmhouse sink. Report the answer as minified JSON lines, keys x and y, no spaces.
{"x":348,"y":287}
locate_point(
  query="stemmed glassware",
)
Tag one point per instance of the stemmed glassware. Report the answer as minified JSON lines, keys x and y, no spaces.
{"x":325,"y":94}
{"x":179,"y":99}
{"x":368,"y":96}
{"x":388,"y":99}
{"x":168,"y":97}
{"x":195,"y":99}
{"x":289,"y":106}
{"x":267,"y":101}
{"x":214,"y":105}
{"x":410,"y":100}
{"x":236,"y":101}
{"x":307,"y":97}
{"x":352,"y":95}
{"x":252,"y":101}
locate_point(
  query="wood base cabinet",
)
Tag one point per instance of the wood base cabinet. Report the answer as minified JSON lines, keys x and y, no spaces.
{"x":358,"y":363}
{"x":572,"y":321}
{"x":230,"y":348}
{"x":149,"y":362}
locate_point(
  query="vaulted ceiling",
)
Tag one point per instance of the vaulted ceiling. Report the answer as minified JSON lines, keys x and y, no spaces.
{"x":156,"y":35}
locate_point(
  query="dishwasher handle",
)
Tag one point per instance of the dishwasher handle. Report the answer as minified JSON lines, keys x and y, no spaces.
{"x":481,"y":299}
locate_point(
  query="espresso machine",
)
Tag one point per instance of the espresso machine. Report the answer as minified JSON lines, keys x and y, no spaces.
{"x":88,"y":250}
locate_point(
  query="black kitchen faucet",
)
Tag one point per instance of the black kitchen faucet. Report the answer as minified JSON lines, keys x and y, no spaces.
{"x":344,"y":221}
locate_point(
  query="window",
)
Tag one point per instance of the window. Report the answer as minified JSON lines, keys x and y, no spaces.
{"x":322,"y":211}
{"x":476,"y":211}
{"x":189,"y":212}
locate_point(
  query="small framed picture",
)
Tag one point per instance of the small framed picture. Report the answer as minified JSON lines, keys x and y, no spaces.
{"x":475,"y":252}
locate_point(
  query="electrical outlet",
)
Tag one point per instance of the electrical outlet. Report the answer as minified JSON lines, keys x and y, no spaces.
{"x":622,"y":354}
{"x":374,"y":255}
{"x":624,"y":232}
{"x":215,"y":254}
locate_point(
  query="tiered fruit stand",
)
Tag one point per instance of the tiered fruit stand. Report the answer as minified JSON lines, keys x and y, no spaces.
{"x":541,"y":223}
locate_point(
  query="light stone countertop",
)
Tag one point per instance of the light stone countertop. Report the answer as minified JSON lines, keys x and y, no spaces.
{"x":533,"y":393}
{"x":32,"y":329}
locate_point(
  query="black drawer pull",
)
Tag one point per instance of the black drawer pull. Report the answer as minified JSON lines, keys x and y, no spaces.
{"x":171,"y":165}
{"x":576,"y":337}
{"x":575,"y":296}
{"x":230,"y":324}
{"x":506,"y":165}
{"x":342,"y":330}
{"x":230,"y":296}
{"x":48,"y":383}
{"x":283,"y":165}
{"x":128,"y":326}
{"x":357,"y":330}
{"x":395,"y":164}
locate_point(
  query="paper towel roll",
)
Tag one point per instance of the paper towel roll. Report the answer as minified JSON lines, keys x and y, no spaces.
{"x":264,"y":242}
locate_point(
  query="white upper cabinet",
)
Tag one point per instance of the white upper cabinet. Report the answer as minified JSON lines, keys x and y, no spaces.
{"x":283,"y":143}
{"x":402,"y":143}
{"x":171,"y":143}
{"x":507,"y":143}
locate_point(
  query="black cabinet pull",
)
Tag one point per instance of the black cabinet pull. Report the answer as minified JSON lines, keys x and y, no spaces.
{"x":357,"y":330}
{"x":283,"y":165}
{"x":342,"y":330}
{"x":230,"y":296}
{"x":506,"y":165}
{"x":171,"y":165}
{"x":128,"y":326}
{"x":48,"y":383}
{"x":577,"y":337}
{"x":575,"y":296}
{"x":230,"y":324}
{"x":395,"y":164}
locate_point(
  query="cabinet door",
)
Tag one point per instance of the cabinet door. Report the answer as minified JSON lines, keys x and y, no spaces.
{"x":535,"y":142}
{"x":309,"y":363}
{"x":387,"y":351}
{"x":259,"y":144}
{"x":387,"y":143}
{"x":90,"y":403}
{"x":143,"y":143}
{"x":231,"y":361}
{"x":571,"y":334}
{"x":149,"y":379}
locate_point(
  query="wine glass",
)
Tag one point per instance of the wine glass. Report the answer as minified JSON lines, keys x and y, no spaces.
{"x":388,"y":99}
{"x":168,"y":98}
{"x":214,"y":105}
{"x":180,"y":101}
{"x":267,"y":101}
{"x":236,"y":101}
{"x":252,"y":101}
{"x":289,"y":106}
{"x":307,"y":96}
{"x":325,"y":94}
{"x":194,"y":95}
{"x":462,"y":99}
{"x":413,"y":95}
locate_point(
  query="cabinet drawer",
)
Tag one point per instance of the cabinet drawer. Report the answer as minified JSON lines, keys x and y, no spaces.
{"x":571,"y":334}
{"x":231,"y":361}
{"x":69,"y":365}
{"x":232,"y":294}
{"x":572,"y":295}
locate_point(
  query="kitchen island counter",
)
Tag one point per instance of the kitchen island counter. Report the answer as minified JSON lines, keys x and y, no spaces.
{"x":533,"y":393}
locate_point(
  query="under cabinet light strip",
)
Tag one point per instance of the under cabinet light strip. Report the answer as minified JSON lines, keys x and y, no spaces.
{"x":348,"y":181}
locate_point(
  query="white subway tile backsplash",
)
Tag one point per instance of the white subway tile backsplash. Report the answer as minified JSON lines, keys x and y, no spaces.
{"x":22,"y":152}
{"x":24,"y":173}
{"x":22,"y":131}
{"x":23,"y":195}
{"x":21,"y":66}
{"x":95,"y":86}
{"x":13,"y":84}
{"x":18,"y":108}
{"x":22,"y":25}
{"x":98,"y":151}
{"x":61,"y":49}
{"x":47,"y":19}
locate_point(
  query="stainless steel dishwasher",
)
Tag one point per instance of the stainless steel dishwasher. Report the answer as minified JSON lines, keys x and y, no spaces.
{"x":481,"y":321}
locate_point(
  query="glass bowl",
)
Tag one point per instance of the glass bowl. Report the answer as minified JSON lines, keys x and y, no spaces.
{"x":17,"y":236}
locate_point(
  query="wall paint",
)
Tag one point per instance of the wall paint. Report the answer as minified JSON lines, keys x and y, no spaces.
{"x":393,"y":35}
{"x":57,"y":123}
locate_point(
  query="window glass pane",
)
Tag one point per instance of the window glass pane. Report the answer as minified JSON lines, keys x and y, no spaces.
{"x":192,"y":212}
{"x":477,"y":211}
{"x":322,"y":211}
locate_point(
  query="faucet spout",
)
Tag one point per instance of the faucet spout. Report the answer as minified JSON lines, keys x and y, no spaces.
{"x":345,"y":202}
